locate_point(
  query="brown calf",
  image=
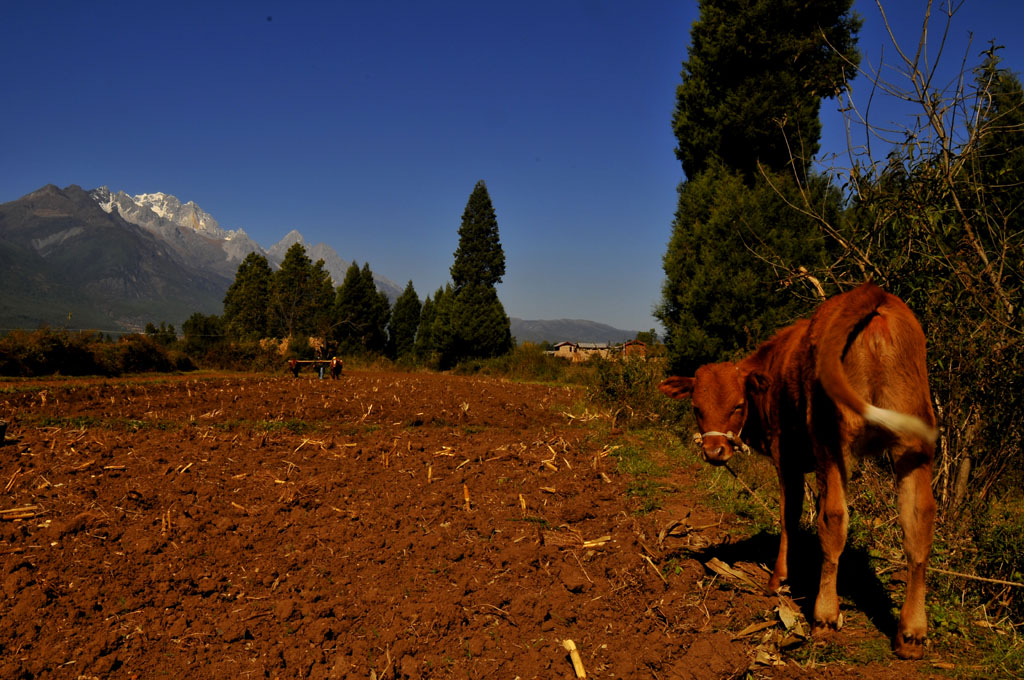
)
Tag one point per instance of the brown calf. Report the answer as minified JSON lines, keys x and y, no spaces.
{"x":849,"y":381}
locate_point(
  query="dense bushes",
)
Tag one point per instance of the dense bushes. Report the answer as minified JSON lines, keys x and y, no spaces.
{"x":59,"y":352}
{"x":527,"y":362}
{"x":629,"y":389}
{"x":250,"y":355}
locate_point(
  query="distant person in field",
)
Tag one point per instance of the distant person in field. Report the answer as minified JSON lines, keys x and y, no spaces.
{"x":335,"y":368}
{"x":293,"y":366}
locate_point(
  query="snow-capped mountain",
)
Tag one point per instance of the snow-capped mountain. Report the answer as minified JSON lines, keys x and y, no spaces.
{"x":188,"y":214}
{"x":191,"y":231}
{"x":196,"y":235}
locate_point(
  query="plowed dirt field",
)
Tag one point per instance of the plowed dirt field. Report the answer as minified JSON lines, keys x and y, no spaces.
{"x":376,"y":526}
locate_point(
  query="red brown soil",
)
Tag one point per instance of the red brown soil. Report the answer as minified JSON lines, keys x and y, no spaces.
{"x":381,"y":525}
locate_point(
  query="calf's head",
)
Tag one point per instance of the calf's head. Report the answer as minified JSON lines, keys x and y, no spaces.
{"x":720,"y":397}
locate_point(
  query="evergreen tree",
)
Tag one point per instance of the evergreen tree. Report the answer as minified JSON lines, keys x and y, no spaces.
{"x":479,"y":258}
{"x":376,"y":337}
{"x":479,"y":326}
{"x":719,"y":298}
{"x":442,"y":336}
{"x":202,"y":333}
{"x":300,"y":296}
{"x":752,"y":87}
{"x":424,"y":333}
{"x":754,"y":79}
{"x":1000,"y":153}
{"x":248,"y":298}
{"x":405,"y":319}
{"x":361,"y":313}
{"x":348,"y":302}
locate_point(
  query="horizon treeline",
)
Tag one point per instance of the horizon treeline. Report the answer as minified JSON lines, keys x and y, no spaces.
{"x":464,"y":319}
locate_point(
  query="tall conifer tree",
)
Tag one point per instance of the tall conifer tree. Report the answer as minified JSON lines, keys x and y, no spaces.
{"x":479,"y":325}
{"x":755,"y":75}
{"x":361,"y":313}
{"x":405,"y":320}
{"x":424,"y":332}
{"x":247,"y":299}
{"x":444,"y":344}
{"x":479,"y":258}
{"x":301,"y":296}
{"x":747,"y":120}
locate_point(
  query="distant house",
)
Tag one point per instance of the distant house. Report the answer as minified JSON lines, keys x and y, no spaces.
{"x":590,"y":349}
{"x":635,"y":349}
{"x":567,"y":350}
{"x":581,"y":351}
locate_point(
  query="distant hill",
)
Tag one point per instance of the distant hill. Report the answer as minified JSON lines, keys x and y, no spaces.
{"x":571,"y":330}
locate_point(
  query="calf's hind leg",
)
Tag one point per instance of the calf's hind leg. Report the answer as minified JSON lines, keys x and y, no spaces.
{"x":917,"y":517}
{"x":833,"y":519}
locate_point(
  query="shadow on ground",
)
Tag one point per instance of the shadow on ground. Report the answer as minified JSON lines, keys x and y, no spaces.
{"x":859,"y":585}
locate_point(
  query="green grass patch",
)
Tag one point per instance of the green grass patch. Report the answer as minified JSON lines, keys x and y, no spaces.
{"x":84,"y":422}
{"x":534,"y":519}
{"x":290,"y":425}
{"x":69,"y":422}
{"x":647,"y":487}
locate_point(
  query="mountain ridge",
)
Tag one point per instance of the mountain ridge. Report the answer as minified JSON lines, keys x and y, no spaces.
{"x":567,"y":330}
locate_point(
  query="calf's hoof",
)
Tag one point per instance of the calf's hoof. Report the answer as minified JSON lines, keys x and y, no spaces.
{"x":823,"y":626}
{"x":909,"y":646}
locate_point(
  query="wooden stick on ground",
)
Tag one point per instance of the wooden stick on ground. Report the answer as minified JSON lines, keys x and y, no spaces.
{"x":11,"y":482}
{"x":24,"y":512}
{"x":976,"y":578}
{"x":574,"y":655}
{"x":655,"y":568}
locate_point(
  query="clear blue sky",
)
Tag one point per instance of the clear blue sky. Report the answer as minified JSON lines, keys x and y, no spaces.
{"x":365,"y":125}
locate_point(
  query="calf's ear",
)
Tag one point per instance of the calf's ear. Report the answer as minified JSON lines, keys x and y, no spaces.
{"x":677,"y":387}
{"x":758,"y":382}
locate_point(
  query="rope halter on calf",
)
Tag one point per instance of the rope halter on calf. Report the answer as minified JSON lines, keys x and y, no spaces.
{"x":698,"y":439}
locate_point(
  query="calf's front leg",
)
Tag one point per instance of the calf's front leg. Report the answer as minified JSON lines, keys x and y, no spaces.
{"x":791,"y":501}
